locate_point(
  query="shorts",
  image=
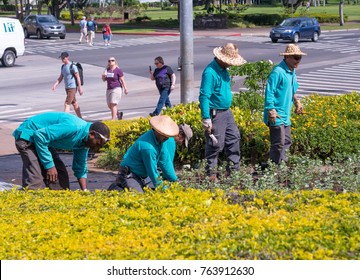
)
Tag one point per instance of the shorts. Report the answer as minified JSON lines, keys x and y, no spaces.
{"x":113,"y":96}
{"x":70,"y":96}
{"x":83,"y":31}
{"x":106,"y":37}
{"x":91,"y":34}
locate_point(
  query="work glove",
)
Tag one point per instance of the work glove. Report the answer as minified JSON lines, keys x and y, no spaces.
{"x":272,"y":114}
{"x":207,"y":124}
{"x":298,"y":107}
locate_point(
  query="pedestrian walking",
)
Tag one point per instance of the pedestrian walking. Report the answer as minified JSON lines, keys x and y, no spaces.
{"x":165,"y":80}
{"x":221,"y":131}
{"x":139,"y":168}
{"x":279,"y":98}
{"x":106,"y":30}
{"x":116,"y":85}
{"x":308,"y":6}
{"x":70,"y":74}
{"x":91,"y":28}
{"x":83,"y":30}
{"x":37,"y":139}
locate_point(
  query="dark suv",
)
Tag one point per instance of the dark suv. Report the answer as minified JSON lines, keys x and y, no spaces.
{"x":294,"y":29}
{"x":43,"y":26}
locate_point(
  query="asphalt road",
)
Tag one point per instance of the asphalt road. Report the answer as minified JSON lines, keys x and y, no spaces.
{"x":331,"y":67}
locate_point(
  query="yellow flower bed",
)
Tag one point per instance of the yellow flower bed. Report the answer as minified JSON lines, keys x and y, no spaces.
{"x":179,"y":224}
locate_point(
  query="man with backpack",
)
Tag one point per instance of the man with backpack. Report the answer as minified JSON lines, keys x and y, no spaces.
{"x":70,"y":74}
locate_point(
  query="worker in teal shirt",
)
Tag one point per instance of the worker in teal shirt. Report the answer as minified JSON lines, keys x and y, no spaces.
{"x":279,"y":98}
{"x":169,"y":146}
{"x":221,"y":131}
{"x":139,"y":168}
{"x":37,"y":139}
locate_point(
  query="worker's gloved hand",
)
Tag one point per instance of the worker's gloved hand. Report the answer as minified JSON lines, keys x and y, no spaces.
{"x":207,"y":124}
{"x":298,"y":107}
{"x":272,"y":114}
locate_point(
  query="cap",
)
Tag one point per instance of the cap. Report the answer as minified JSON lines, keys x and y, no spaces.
{"x":63,"y":55}
{"x":186,"y":130}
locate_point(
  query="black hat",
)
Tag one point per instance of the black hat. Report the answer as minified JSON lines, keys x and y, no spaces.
{"x":63,"y":55}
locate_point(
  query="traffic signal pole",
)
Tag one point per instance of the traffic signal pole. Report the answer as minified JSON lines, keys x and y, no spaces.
{"x":186,"y":60}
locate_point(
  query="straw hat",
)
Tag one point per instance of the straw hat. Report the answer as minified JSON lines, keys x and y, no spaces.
{"x":229,"y":54}
{"x":164,"y":125}
{"x":292,"y":49}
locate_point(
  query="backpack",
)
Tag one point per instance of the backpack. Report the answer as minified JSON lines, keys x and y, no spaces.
{"x":80,"y":71}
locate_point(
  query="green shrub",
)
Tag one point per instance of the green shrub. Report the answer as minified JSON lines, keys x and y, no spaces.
{"x":328,"y":18}
{"x":264,"y":19}
{"x":330,"y":128}
{"x":65,"y":15}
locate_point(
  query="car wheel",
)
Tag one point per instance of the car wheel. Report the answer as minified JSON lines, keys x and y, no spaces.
{"x":62,"y":37}
{"x":26,"y":33}
{"x":274,"y":40}
{"x":39,"y":34}
{"x":315,"y":37}
{"x":8,"y":58}
{"x":296,"y":38}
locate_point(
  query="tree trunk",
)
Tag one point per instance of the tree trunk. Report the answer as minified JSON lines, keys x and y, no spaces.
{"x":341,"y":12}
{"x":71,"y":13}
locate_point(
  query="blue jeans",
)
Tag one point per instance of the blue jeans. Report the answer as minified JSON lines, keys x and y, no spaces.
{"x":163,"y":100}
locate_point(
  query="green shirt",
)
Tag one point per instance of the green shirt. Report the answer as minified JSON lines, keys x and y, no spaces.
{"x":215,"y":89}
{"x":58,"y":130}
{"x":279,"y":94}
{"x":144,"y":156}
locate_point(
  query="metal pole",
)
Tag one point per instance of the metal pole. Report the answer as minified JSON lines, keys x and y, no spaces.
{"x":186,"y":51}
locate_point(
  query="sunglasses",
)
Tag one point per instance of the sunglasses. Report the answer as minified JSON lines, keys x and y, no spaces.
{"x":102,"y":137}
{"x":297,"y":57}
{"x":157,"y":63}
{"x":111,"y":60}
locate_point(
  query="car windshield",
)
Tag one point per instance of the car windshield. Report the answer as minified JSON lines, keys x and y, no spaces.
{"x":48,"y":20}
{"x":290,"y":22}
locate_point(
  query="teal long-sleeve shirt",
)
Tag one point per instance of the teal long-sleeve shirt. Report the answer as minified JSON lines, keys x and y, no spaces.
{"x":58,"y":130}
{"x":215,"y":89}
{"x":167,"y":156}
{"x":279,"y":93}
{"x":144,"y":156}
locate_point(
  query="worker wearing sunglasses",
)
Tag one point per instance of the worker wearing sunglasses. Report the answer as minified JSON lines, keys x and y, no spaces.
{"x":279,"y":98}
{"x":38,"y":138}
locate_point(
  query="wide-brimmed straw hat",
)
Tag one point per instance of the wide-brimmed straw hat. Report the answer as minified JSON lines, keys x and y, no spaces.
{"x":229,"y":54}
{"x":164,"y":125}
{"x":292,"y":49}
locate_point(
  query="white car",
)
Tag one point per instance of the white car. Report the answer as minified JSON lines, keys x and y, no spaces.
{"x":12,"y":41}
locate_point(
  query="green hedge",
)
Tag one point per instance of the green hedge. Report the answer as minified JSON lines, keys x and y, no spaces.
{"x":275,"y":19}
{"x":264,"y":19}
{"x":330,"y":128}
{"x":65,"y":15}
